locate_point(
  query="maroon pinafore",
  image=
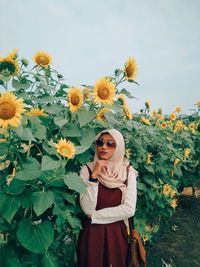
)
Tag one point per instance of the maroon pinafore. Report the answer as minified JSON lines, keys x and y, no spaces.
{"x":103,"y":245}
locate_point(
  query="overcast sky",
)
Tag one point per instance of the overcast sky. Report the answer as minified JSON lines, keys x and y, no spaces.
{"x":89,"y":39}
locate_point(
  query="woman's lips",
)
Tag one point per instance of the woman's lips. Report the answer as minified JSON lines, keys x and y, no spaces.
{"x":103,"y":153}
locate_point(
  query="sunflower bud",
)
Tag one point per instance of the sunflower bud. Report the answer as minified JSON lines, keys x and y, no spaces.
{"x":59,"y":76}
{"x":5,"y":73}
{"x":25,"y":62}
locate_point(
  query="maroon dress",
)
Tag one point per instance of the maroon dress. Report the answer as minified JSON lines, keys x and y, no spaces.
{"x":103,"y":245}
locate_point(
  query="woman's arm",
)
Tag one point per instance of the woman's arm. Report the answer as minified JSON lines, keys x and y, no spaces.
{"x":88,"y":201}
{"x":123,"y":211}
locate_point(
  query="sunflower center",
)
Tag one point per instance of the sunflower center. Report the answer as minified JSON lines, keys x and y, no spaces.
{"x":129,"y":70}
{"x":42,"y":60}
{"x":7,"y":65}
{"x":103,"y":93}
{"x":7,"y":111}
{"x":65,"y":151}
{"x":75,"y":99}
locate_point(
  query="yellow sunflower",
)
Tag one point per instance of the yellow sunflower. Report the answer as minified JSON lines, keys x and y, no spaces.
{"x":192,"y":127}
{"x":100,"y":114}
{"x":173,"y":193}
{"x":75,"y":99}
{"x":148,"y":161}
{"x":167,"y":189}
{"x":160,"y":111}
{"x":13,"y":53}
{"x":177,"y":109}
{"x":131,"y":69}
{"x":186,"y":153}
{"x":9,"y":66}
{"x":146,"y":121}
{"x":128,"y":112}
{"x":154,"y":114}
{"x":172,"y":116}
{"x":176,"y":162}
{"x":42,"y":59}
{"x":104,"y":92}
{"x":198,"y":103}
{"x":65,"y":148}
{"x":164,"y":125}
{"x":174,"y":203}
{"x":36,"y":112}
{"x":11,"y":109}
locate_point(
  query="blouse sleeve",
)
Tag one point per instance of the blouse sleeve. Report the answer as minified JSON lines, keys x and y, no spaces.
{"x":120,"y":212}
{"x":88,"y":201}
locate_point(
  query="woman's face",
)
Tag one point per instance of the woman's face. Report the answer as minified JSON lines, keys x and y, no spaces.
{"x":106,"y":146}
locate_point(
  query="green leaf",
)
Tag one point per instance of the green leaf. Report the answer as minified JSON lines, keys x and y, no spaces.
{"x":3,"y":149}
{"x":86,"y":116}
{"x":42,"y":201}
{"x":16,"y":187}
{"x":35,"y":237}
{"x":16,"y":84}
{"x":73,"y":181}
{"x":38,"y":130}
{"x":49,"y":149}
{"x":52,"y":109}
{"x":126,"y":93}
{"x":88,"y":137}
{"x":70,"y":198}
{"x":27,"y":135}
{"x":81,"y":149}
{"x":60,"y":121}
{"x":74,"y":221}
{"x":31,"y":170}
{"x":72,"y":130}
{"x":49,"y":164}
{"x":149,"y":168}
{"x":9,"y":205}
{"x":48,"y":260}
{"x":152,"y":194}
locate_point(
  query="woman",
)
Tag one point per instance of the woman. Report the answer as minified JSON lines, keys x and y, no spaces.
{"x":108,"y":203}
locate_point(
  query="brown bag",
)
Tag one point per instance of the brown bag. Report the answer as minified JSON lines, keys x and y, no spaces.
{"x":136,"y":252}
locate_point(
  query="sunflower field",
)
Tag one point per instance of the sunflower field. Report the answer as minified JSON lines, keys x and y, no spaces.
{"x":47,"y":132}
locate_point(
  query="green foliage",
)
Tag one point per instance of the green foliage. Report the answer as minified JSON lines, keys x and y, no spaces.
{"x":39,"y":208}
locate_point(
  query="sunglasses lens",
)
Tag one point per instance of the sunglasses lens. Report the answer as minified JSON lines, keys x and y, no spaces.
{"x":111,"y":144}
{"x":100,"y":142}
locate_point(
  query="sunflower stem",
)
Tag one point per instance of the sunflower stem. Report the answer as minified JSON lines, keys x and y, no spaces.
{"x":28,"y":151}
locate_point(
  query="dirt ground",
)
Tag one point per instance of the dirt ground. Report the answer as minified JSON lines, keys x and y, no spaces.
{"x":178,"y":244}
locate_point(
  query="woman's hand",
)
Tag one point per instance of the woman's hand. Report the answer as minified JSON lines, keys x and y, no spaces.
{"x":98,"y":166}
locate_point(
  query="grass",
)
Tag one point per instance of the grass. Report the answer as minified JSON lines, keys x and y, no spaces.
{"x":178,"y":244}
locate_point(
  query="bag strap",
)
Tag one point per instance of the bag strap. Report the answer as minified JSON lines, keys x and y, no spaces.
{"x":89,"y":170}
{"x":131,"y":219}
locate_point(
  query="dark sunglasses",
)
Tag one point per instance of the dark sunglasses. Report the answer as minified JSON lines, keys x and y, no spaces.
{"x":101,"y":142}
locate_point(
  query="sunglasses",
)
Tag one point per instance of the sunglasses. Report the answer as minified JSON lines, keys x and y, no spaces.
{"x":109,"y":143}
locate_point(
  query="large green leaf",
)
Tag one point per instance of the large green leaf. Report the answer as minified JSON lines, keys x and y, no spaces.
{"x":49,"y":260}
{"x":16,"y":187}
{"x":49,"y":164}
{"x":71,"y":130}
{"x":85,"y":116}
{"x":42,"y":201}
{"x":88,"y":137}
{"x":60,"y":121}
{"x":9,"y":205}
{"x":73,"y":181}
{"x":74,"y":221}
{"x":24,"y":134}
{"x":81,"y":149}
{"x":31,"y":170}
{"x":35,"y":237}
{"x":38,"y":130}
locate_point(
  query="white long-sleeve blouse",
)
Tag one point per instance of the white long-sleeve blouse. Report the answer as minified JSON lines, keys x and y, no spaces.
{"x":126,"y":209}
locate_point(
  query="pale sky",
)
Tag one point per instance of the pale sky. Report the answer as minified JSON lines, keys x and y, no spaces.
{"x":90,"y":39}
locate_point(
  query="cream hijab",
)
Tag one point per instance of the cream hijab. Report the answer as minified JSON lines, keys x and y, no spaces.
{"x":114,"y":175}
